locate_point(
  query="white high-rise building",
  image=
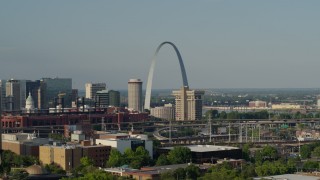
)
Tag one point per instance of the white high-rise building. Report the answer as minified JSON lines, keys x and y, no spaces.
{"x":188,"y":104}
{"x":92,"y":88}
{"x":135,"y":95}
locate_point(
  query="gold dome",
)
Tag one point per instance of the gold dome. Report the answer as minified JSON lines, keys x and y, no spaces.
{"x":36,"y":170}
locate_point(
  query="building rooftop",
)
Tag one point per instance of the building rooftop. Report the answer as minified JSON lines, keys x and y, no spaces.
{"x":206,"y":148}
{"x":289,"y":177}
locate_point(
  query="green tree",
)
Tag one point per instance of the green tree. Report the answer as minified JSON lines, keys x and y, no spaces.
{"x":128,"y":156}
{"x":310,"y":166}
{"x":305,"y":151}
{"x":223,"y":115}
{"x":316,"y":152}
{"x":85,"y":161}
{"x":30,"y":160}
{"x":233,"y":115}
{"x":310,"y":115}
{"x":248,"y":171}
{"x":272,"y":168}
{"x":138,"y":158}
{"x":115,"y":158}
{"x":246,"y":152}
{"x":213,"y":113}
{"x":169,"y":175}
{"x":180,"y":173}
{"x":258,"y":157}
{"x":270,"y":152}
{"x":317,"y":115}
{"x":143,"y":156}
{"x":292,"y":164}
{"x":179,"y":155}
{"x":54,"y":169}
{"x":162,"y":160}
{"x":192,"y":171}
{"x":223,"y":171}
{"x":18,"y":174}
{"x":17,"y":160}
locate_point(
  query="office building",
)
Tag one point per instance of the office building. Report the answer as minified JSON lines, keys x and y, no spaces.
{"x":68,"y":156}
{"x":55,"y":91}
{"x":287,"y":106}
{"x":135,"y":95}
{"x":23,"y":143}
{"x":258,"y":104}
{"x":165,"y":112}
{"x":15,"y":94}
{"x":123,"y":143}
{"x":92,"y":88}
{"x":188,"y":104}
{"x":2,"y":94}
{"x":102,"y":98}
{"x":114,"y":98}
{"x":208,"y":153}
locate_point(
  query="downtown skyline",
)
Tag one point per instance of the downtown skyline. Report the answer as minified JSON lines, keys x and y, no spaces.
{"x":224,"y":44}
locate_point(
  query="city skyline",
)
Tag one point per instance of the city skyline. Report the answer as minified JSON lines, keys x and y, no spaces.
{"x":224,"y":44}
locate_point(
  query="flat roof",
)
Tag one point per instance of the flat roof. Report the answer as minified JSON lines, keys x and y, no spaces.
{"x":113,"y":134}
{"x":289,"y":177}
{"x":206,"y":148}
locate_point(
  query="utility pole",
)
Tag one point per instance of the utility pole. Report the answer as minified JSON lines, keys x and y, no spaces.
{"x":240,"y":132}
{"x":229,"y":132}
{"x":259,"y":132}
{"x":252,"y":133}
{"x":170,"y":129}
{"x":210,"y":128}
{"x":246,"y":131}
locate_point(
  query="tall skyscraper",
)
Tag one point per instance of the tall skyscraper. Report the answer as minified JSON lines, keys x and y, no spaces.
{"x":2,"y":94}
{"x":135,"y":94}
{"x":15,"y":94}
{"x":188,"y":104}
{"x":114,"y":98}
{"x":92,"y":88}
{"x":52,"y":88}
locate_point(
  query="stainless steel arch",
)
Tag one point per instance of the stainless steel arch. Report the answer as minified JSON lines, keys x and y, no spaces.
{"x":150,"y":76}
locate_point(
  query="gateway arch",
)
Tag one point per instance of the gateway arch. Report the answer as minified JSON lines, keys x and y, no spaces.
{"x":151,"y":70}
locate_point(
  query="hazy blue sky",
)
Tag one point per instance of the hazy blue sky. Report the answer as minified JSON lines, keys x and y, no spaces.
{"x":224,"y":44}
